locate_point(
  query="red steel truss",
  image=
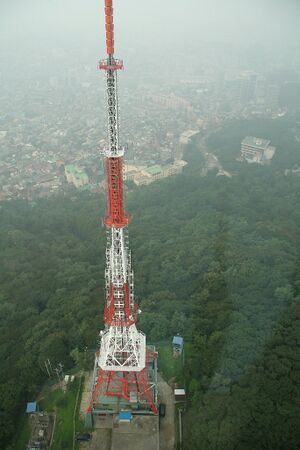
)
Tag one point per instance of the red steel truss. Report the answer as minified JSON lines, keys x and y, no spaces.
{"x":117,"y":64}
{"x":132,"y":386}
{"x":116,"y":216}
{"x":109,"y":26}
{"x":111,"y":308}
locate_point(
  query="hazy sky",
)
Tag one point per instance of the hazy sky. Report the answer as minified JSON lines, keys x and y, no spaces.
{"x":149,"y":22}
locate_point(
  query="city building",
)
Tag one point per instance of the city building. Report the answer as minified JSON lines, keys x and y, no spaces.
{"x":257,"y":150}
{"x":272,"y":92}
{"x":142,"y":175}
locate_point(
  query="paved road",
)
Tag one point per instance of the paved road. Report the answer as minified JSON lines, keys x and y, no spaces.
{"x":211,"y":161}
{"x":167,"y":423}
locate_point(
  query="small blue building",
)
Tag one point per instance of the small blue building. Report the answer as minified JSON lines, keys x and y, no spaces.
{"x":177,"y":345}
{"x":125,"y":416}
{"x":31,"y":407}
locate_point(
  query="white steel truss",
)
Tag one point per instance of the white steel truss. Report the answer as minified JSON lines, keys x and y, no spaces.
{"x":123,"y":348}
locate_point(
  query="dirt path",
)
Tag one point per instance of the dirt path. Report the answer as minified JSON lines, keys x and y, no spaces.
{"x":167,"y":423}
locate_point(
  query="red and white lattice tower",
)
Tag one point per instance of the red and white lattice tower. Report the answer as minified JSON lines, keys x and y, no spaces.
{"x":123,"y":360}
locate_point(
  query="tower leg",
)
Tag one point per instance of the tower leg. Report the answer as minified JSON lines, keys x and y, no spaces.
{"x":123,"y":384}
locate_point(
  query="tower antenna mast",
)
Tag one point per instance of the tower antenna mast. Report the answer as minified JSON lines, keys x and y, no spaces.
{"x":122,"y":364}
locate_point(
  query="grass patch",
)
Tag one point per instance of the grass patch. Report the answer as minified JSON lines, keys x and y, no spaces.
{"x":63,"y":404}
{"x":23,"y":434}
{"x":178,"y":406}
{"x":169,"y":366}
{"x":79,"y":424}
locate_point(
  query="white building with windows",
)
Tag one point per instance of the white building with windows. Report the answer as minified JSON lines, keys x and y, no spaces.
{"x":257,"y":150}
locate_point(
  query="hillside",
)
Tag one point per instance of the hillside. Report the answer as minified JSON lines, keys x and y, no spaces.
{"x":215,"y":259}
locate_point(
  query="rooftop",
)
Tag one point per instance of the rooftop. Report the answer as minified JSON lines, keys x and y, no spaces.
{"x":179,"y":391}
{"x":154,"y":170}
{"x":177,"y":340}
{"x":258,"y":143}
{"x":125,"y":415}
{"x":141,"y":433}
{"x":31,"y":407}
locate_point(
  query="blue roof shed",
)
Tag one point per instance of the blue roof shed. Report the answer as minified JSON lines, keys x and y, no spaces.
{"x":31,"y":407}
{"x":125,"y":416}
{"x":177,"y":340}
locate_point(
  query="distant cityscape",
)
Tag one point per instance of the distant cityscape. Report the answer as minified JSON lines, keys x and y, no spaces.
{"x":53,"y":131}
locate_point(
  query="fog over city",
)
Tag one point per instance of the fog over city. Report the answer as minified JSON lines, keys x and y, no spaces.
{"x":189,"y":65}
{"x":155,"y":23}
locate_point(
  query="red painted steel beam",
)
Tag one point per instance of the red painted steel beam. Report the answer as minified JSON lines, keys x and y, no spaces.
{"x":131,"y":311}
{"x":116,"y":216}
{"x":116,"y":64}
{"x":109,"y":26}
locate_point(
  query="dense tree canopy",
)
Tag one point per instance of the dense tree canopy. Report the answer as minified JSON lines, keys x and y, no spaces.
{"x":215,"y":259}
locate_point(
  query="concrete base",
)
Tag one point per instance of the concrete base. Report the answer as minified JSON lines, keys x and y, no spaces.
{"x":141,"y":433}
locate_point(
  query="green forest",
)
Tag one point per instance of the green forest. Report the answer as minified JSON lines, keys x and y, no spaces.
{"x":226,"y":143}
{"x":216,"y":259}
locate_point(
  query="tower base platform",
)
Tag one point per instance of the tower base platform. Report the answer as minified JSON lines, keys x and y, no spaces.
{"x":105,"y":404}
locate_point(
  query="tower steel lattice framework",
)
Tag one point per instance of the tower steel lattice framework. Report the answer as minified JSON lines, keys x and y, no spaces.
{"x":123,"y":359}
